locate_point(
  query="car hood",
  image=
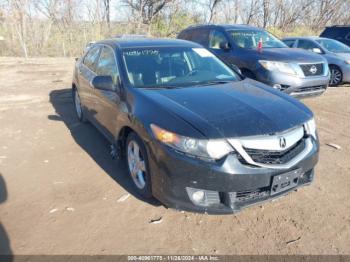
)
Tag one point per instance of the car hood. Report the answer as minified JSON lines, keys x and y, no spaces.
{"x":287,"y":55}
{"x":237,"y":109}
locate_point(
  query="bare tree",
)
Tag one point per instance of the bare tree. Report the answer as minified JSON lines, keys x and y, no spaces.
{"x":19,"y":18}
{"x":266,"y":12}
{"x":62,"y":27}
{"x":212,"y":8}
{"x":146,"y":10}
{"x":251,"y":11}
{"x":326,"y":11}
{"x":231,"y":9}
{"x":49,"y":9}
{"x":107,"y":12}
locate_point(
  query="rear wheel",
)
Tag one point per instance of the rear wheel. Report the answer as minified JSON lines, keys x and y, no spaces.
{"x":336,"y":76}
{"x":77,"y":105}
{"x":137,"y":162}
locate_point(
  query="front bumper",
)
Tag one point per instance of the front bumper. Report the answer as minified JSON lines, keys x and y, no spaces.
{"x":346,"y":73}
{"x":293,"y":85}
{"x":239,"y":185}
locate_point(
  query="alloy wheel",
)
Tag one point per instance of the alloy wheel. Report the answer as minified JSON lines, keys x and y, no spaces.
{"x":136,"y":164}
{"x":336,"y":76}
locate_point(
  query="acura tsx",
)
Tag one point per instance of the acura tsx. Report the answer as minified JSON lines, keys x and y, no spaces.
{"x":194,"y":133}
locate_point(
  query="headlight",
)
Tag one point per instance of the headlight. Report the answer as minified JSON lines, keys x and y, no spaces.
{"x":326,"y":69}
{"x":347,"y":62}
{"x":214,"y":149}
{"x":282,"y":67}
{"x":310,"y":127}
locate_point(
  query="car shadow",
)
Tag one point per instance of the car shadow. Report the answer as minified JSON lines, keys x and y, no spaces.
{"x":5,"y":248}
{"x":92,"y":141}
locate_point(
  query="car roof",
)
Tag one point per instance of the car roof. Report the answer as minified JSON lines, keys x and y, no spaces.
{"x":147,"y":42}
{"x":341,"y":26}
{"x":225,"y":26}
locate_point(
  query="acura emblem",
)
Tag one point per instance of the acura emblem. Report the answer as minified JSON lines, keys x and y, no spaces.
{"x":313,"y":69}
{"x":283,"y":142}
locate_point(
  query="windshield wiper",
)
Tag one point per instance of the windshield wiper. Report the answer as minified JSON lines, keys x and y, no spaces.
{"x":215,"y":82}
{"x":162,"y":87}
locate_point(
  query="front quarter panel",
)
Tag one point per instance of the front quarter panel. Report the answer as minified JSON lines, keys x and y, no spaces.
{"x":138,"y":112}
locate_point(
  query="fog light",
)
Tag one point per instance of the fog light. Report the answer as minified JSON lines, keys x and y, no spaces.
{"x":198,"y":196}
{"x":201,"y":197}
{"x":277,"y":86}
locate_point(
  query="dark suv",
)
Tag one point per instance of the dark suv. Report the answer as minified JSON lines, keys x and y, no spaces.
{"x":263,"y":57}
{"x":338,"y":32}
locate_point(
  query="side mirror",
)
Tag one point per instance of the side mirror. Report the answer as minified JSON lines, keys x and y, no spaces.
{"x":103,"y":83}
{"x":225,"y":46}
{"x":317,"y":50}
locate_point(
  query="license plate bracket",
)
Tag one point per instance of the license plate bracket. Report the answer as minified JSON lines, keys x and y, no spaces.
{"x":284,"y":182}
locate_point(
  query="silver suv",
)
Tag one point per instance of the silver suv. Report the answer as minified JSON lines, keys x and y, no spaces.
{"x":336,"y":53}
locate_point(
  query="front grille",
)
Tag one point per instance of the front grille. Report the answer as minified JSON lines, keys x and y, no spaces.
{"x":312,"y":69}
{"x":275,"y":157}
{"x":310,"y":89}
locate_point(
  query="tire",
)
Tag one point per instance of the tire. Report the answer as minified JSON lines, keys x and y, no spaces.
{"x":336,"y":75}
{"x":77,"y":106}
{"x":140,"y":178}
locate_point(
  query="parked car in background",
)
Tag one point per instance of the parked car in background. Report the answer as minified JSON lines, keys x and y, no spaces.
{"x":338,"y":32}
{"x":336,"y":53}
{"x":195,"y":134}
{"x":263,"y":57}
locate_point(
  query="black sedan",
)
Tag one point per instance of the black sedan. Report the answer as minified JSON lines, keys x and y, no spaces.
{"x":195,"y":134}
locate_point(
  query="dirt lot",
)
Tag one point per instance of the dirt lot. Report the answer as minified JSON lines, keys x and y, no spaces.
{"x":60,"y":189}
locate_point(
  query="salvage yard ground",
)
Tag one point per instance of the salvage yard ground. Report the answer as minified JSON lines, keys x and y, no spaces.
{"x":61,"y":193}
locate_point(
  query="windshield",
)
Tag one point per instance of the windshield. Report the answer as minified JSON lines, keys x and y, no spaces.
{"x":174,"y":67}
{"x":249,"y":39}
{"x":333,"y":46}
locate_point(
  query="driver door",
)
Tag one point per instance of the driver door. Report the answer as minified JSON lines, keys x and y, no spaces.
{"x":107,"y":102}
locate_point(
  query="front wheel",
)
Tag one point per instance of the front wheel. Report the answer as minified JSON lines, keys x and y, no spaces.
{"x":137,"y":162}
{"x":336,"y":76}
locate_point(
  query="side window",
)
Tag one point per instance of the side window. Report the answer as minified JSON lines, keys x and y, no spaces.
{"x":90,"y":58}
{"x":106,"y":65}
{"x":216,"y":38}
{"x":200,"y":36}
{"x":332,"y":32}
{"x":306,"y":44}
{"x":289,"y":43}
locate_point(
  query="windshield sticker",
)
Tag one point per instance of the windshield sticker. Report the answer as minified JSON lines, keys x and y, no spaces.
{"x":203,"y":52}
{"x":142,"y":52}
